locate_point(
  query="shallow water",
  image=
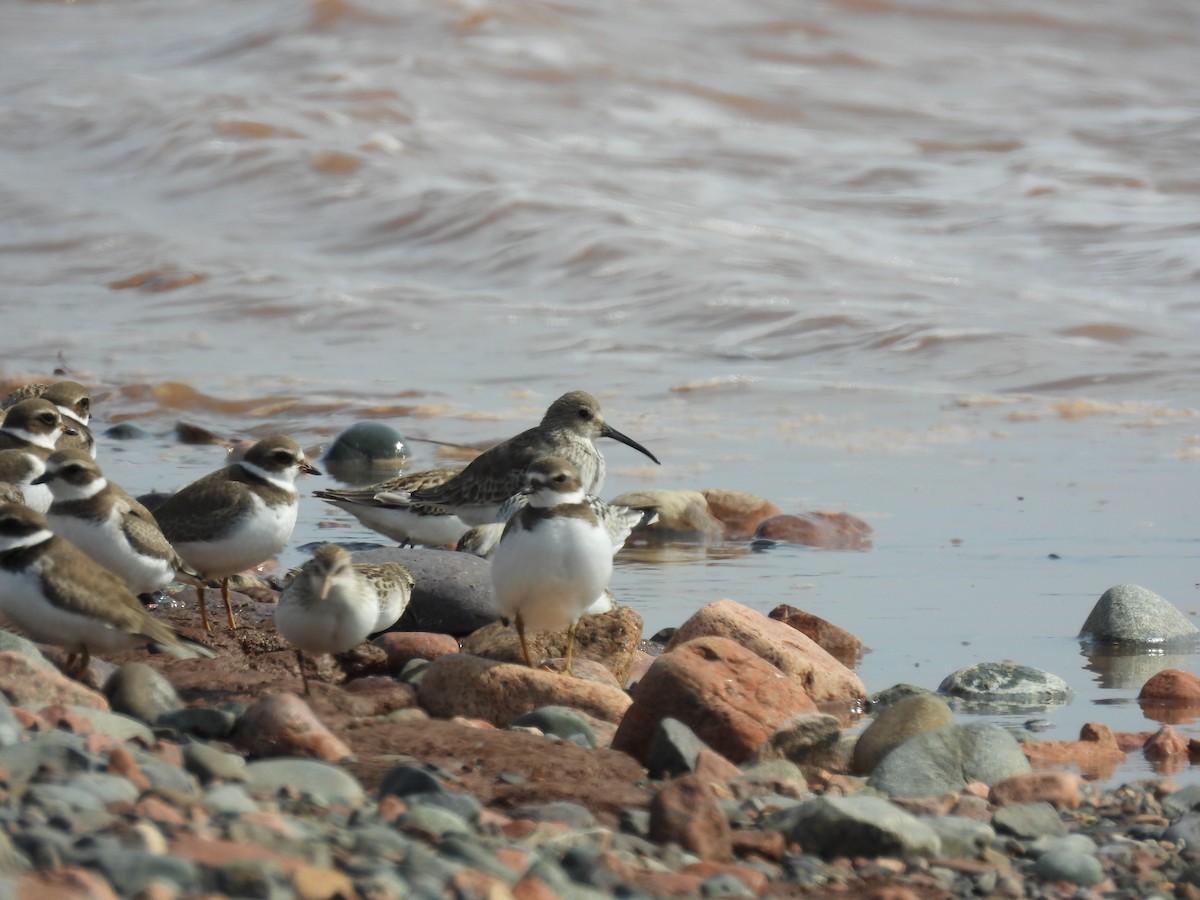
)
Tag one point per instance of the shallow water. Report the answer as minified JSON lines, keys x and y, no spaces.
{"x":932,"y":263}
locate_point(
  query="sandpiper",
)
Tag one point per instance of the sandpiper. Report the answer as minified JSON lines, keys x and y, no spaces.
{"x":554,"y":559}
{"x":567,"y":431}
{"x":11,"y":493}
{"x":21,"y":468}
{"x":238,"y":516}
{"x":384,"y":507}
{"x":334,"y":604}
{"x":74,"y":403}
{"x":52,"y":590}
{"x":107,"y":524}
{"x":34,"y":425}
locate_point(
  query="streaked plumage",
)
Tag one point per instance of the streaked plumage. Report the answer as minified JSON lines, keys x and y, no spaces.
{"x":34,"y":425}
{"x":108,"y":524}
{"x":11,"y":493}
{"x":378,"y":507}
{"x":554,"y":559}
{"x":238,"y":516}
{"x":567,"y":431}
{"x":57,"y":594}
{"x":333,"y":604}
{"x":21,"y":468}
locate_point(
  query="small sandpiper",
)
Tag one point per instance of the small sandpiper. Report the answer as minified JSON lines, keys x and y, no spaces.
{"x":333,"y":604}
{"x":34,"y":425}
{"x":567,"y":431}
{"x":238,"y":516}
{"x":74,"y":403}
{"x":384,"y":507}
{"x":21,"y":468}
{"x":554,"y":559}
{"x":107,"y":524}
{"x":53,"y":591}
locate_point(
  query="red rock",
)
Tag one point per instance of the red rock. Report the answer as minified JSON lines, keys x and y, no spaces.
{"x":753,"y":879}
{"x":378,"y":695}
{"x":29,"y":721}
{"x":1062,"y":789}
{"x":158,"y":810}
{"x":670,"y":884}
{"x":1172,"y":686}
{"x":284,"y":725}
{"x":839,"y":643}
{"x":25,"y":683}
{"x":739,"y":511}
{"x":827,"y":530}
{"x":64,"y":718}
{"x":321,"y":883}
{"x":715,"y":771}
{"x":732,"y":698}
{"x":686,"y":811}
{"x":794,"y":653}
{"x":531,"y":888}
{"x":1096,"y":753}
{"x":65,"y":884}
{"x":402,"y":647}
{"x":217,"y":852}
{"x":752,"y":842}
{"x":461,"y":685}
{"x":121,"y":762}
{"x":642,"y":661}
{"x":1164,"y":743}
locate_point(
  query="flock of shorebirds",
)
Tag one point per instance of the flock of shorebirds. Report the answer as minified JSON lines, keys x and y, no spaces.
{"x":76,"y":550}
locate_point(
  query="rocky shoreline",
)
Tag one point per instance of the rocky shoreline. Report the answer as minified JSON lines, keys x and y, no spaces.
{"x":718,"y":763}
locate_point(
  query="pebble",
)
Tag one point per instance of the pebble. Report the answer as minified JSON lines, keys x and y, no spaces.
{"x":308,"y":776}
{"x":139,"y":690}
{"x":895,"y":724}
{"x":948,"y":759}
{"x":1006,"y":683}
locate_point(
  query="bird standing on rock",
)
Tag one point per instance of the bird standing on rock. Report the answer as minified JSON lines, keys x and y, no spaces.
{"x":333,"y":604}
{"x":567,"y":431}
{"x":555,"y":557}
{"x":238,"y":516}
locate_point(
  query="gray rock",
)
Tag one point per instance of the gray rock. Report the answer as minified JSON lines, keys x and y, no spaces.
{"x":1076,"y":843}
{"x":453,"y":592}
{"x":1186,"y":833}
{"x":233,"y":799}
{"x":1006,"y":683}
{"x":894,"y":694}
{"x":725,"y":884}
{"x":259,"y":878}
{"x":127,"y":431}
{"x":210,"y":764}
{"x":310,"y":776}
{"x":896,"y":723}
{"x":12,"y":861}
{"x":1029,"y":820}
{"x":52,"y":796}
{"x":116,"y":726}
{"x":860,"y":825}
{"x":105,"y":787}
{"x":406,"y":780}
{"x":1182,"y":801}
{"x":772,"y":777}
{"x":26,"y":647}
{"x":53,"y":753}
{"x":462,"y":805}
{"x":431,"y":821}
{"x":1070,"y":866}
{"x":141,"y":691}
{"x":564,"y":812}
{"x":10,"y":728}
{"x":673,"y":749}
{"x":1128,"y":613}
{"x":366,"y":442}
{"x":166,"y":777}
{"x":130,"y":871}
{"x":961,"y":836}
{"x":810,"y":740}
{"x":946,"y":760}
{"x":205,"y":722}
{"x":559,"y":721}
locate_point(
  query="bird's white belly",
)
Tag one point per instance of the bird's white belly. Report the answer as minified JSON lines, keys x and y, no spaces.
{"x":106,"y":543}
{"x":551,"y":575}
{"x":406,"y":526}
{"x":22,"y":603}
{"x":257,"y":538}
{"x":333,"y":625}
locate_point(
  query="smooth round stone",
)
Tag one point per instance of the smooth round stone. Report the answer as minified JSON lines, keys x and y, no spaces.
{"x":405,"y":780}
{"x":896,"y":723}
{"x":558,"y":721}
{"x":1129,"y":613}
{"x":105,"y":787}
{"x":206,"y":722}
{"x":367,"y":442}
{"x":130,"y":870}
{"x":453,"y":592}
{"x":860,"y":825}
{"x":209,"y":764}
{"x":1070,"y":866}
{"x":432,"y":821}
{"x":74,"y":797}
{"x":961,"y":836}
{"x":1006,"y":682}
{"x":310,"y":776}
{"x":229,"y":798}
{"x":126,"y":431}
{"x":946,"y":760}
{"x":141,"y":691}
{"x":24,"y":646}
{"x":119,"y":727}
{"x":1029,"y":820}
{"x":10,"y":728}
{"x":166,"y":777}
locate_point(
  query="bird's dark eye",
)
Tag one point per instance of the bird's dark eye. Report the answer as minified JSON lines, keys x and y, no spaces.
{"x":560,"y":477}
{"x":85,"y":404}
{"x":584,"y":412}
{"x":284,"y":457}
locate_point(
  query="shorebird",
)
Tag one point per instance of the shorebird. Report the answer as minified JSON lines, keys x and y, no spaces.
{"x":236,"y":517}
{"x":567,"y":431}
{"x":33,"y":425}
{"x":107,"y":524}
{"x":52,"y":590}
{"x":618,"y":522}
{"x":21,"y":468}
{"x":11,"y":493}
{"x":74,"y":403}
{"x":333,"y":604}
{"x":554,"y":559}
{"x":384,"y":507}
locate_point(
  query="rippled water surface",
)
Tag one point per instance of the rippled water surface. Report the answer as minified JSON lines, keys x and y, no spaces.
{"x":932,"y":263}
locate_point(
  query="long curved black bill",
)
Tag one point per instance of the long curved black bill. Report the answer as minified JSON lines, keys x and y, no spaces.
{"x":607,"y":430}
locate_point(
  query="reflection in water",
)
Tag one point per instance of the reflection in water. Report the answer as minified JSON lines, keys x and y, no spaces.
{"x":1128,"y":668}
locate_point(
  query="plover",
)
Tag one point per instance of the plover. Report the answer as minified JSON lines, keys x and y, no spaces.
{"x":238,"y":516}
{"x":384,"y":507}
{"x":554,"y":559}
{"x":74,"y":403}
{"x":21,"y":468}
{"x":52,"y":590}
{"x":34,"y":425}
{"x":107,"y":524}
{"x":567,"y":431}
{"x":333,"y":604}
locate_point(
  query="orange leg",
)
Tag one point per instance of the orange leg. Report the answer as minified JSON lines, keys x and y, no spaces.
{"x":521,"y":635}
{"x":570,"y":647}
{"x":228,"y":603}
